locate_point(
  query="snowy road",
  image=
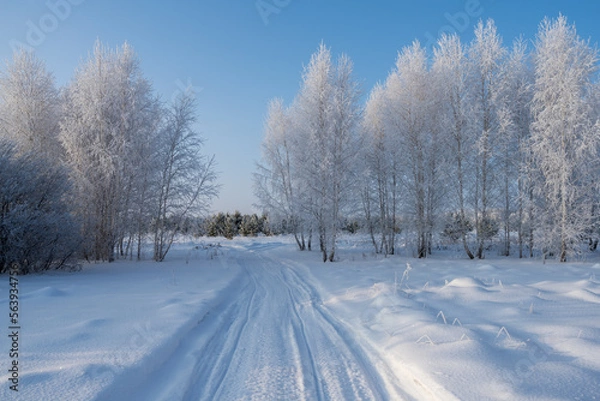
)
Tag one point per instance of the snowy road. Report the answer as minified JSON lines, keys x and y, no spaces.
{"x":274,"y":340}
{"x":256,"y":319}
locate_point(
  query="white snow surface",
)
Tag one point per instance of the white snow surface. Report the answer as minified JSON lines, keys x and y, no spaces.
{"x":259,"y":320}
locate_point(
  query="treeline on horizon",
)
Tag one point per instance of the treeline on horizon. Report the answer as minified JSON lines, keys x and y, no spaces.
{"x":475,"y":142}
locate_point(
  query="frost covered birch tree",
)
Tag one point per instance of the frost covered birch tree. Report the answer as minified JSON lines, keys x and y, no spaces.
{"x":30,"y":107}
{"x":109,"y":109}
{"x":276,"y":180}
{"x":412,"y":118}
{"x":450,"y":67}
{"x":486,"y":56}
{"x":514,"y":155}
{"x":345,"y":145}
{"x":186,"y":177}
{"x":564,"y":138}
{"x":325,"y":117}
{"x":313,"y":109}
{"x":381,"y":179}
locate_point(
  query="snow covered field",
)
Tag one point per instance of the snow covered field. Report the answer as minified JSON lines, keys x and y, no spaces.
{"x":258,"y":320}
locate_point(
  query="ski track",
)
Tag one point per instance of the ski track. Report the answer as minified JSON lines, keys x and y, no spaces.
{"x":272,"y":340}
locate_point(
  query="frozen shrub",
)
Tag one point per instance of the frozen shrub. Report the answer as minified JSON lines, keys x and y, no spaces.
{"x":37,"y":231}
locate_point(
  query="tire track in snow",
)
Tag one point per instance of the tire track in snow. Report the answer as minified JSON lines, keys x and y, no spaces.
{"x":271,"y":339}
{"x":267,"y":363}
{"x":214,"y":359}
{"x":368,"y":376}
{"x":164,"y":374}
{"x":336,"y":372}
{"x":401,"y":381}
{"x":301,"y":339}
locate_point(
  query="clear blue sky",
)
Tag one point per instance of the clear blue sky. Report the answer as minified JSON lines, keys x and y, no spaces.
{"x":241,"y":59}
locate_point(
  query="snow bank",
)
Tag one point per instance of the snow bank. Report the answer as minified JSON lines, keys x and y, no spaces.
{"x":437,"y":329}
{"x":500,"y":330}
{"x":87,"y":334}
